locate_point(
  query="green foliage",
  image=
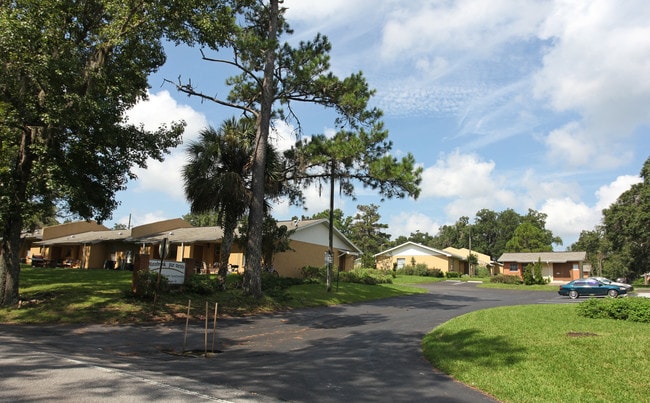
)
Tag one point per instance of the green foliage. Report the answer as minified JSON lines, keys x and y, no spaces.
{"x":533,"y":274}
{"x":505,"y":279}
{"x":70,"y":71}
{"x":366,"y":276}
{"x":341,"y":222}
{"x":420,"y":269}
{"x":632,"y":309}
{"x":529,"y":238}
{"x":452,"y":274}
{"x":270,"y":76}
{"x":528,"y":275}
{"x":366,"y":232}
{"x":201,"y":284}
{"x":147,"y":282}
{"x":482,"y":271}
{"x":314,"y":273}
{"x":627,"y":230}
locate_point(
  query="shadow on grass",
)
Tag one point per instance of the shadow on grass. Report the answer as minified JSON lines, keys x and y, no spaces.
{"x":451,"y":350}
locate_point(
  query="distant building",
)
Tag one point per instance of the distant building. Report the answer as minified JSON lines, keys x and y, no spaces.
{"x":556,"y":266}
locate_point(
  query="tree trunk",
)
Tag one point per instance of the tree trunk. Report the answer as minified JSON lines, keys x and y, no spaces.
{"x":330,"y":250}
{"x":252,"y":275}
{"x":226,"y":245}
{"x":10,"y":261}
{"x":13,"y":221}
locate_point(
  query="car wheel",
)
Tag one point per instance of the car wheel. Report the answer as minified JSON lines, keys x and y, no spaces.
{"x":573,"y":294}
{"x":612,"y":293}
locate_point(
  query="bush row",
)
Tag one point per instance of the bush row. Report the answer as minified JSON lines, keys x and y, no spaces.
{"x":634,"y":309}
{"x":420,"y":270}
{"x":505,"y":279}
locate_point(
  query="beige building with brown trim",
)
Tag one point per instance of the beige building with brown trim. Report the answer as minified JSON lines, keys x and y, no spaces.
{"x":412,"y":254}
{"x":90,"y":245}
{"x":447,"y":260}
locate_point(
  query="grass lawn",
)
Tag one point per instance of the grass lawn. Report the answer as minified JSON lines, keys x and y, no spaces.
{"x":544,"y":353}
{"x":104,"y":296}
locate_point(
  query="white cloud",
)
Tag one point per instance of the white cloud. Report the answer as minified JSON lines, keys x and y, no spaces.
{"x":406,"y":223}
{"x":160,"y":109}
{"x":568,"y":145}
{"x":567,"y":217}
{"x":282,"y":136}
{"x":608,"y":194}
{"x":458,"y":175}
{"x":318,"y":11}
{"x":600,"y":52}
{"x":470,"y":182}
{"x":474,"y":26}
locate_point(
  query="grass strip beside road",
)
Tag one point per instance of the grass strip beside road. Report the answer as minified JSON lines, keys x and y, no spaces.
{"x":104,"y":296}
{"x":544,"y":353}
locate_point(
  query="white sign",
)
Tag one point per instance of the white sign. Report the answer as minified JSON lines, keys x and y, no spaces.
{"x":173,"y":271}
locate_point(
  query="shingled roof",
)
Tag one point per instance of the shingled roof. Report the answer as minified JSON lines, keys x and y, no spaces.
{"x":545,"y":257}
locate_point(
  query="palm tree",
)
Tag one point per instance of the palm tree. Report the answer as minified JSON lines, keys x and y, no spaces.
{"x":217,"y":177}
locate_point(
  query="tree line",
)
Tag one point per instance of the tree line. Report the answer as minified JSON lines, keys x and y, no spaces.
{"x":491,"y":233}
{"x":620,"y":245}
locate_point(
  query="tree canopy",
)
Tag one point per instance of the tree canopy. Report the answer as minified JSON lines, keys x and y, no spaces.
{"x":492,"y":233}
{"x":69,"y":71}
{"x":627,"y":229}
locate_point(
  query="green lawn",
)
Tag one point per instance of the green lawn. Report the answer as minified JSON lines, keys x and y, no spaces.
{"x":104,"y":296}
{"x":544,"y":353}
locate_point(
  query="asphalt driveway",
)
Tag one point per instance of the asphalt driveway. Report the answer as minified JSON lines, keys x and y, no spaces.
{"x":362,"y":352}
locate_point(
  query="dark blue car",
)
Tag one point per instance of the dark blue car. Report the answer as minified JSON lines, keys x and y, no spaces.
{"x":591,"y":287}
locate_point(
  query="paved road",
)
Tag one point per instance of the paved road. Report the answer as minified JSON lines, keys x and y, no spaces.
{"x":362,"y":352}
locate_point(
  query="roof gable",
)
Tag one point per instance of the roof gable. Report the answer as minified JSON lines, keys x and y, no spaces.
{"x":413,"y":249}
{"x":317,"y":232}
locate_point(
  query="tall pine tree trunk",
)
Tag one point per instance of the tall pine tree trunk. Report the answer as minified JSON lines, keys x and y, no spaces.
{"x":252,"y":276}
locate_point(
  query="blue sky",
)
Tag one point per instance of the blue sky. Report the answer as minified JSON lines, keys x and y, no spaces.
{"x":505,"y":104}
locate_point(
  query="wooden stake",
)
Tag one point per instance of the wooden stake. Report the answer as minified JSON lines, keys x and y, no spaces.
{"x":205,"y":333}
{"x":214,"y":329}
{"x":187,"y":323}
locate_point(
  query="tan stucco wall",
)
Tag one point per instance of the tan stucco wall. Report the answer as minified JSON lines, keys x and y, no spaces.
{"x":289,"y":263}
{"x":432,"y":262}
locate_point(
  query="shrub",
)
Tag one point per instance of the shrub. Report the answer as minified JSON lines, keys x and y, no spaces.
{"x":634,"y":309}
{"x":505,"y":279}
{"x":452,"y":274}
{"x":145,"y":284}
{"x":529,"y":276}
{"x":420,"y":269}
{"x":201,"y":284}
{"x":366,"y":276}
{"x":482,"y":271}
{"x":314,"y":273}
{"x":234,"y":281}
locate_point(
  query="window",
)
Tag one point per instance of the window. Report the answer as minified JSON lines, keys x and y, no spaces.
{"x":400,"y":262}
{"x":514,"y":267}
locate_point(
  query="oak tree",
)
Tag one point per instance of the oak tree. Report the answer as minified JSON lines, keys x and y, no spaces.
{"x":69,"y":71}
